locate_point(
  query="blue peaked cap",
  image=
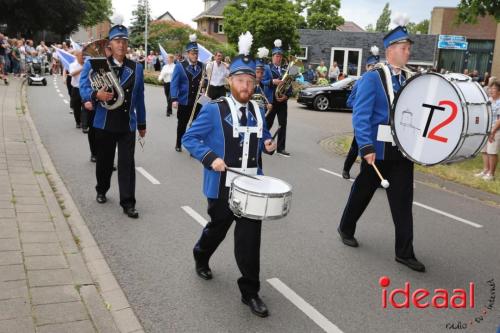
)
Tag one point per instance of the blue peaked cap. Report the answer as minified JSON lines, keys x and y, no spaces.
{"x":242,"y":64}
{"x":396,"y":35}
{"x":372,"y":60}
{"x":192,"y":46}
{"x":259,"y":63}
{"x":118,"y":31}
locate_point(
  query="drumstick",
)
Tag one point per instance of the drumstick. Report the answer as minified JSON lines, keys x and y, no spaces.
{"x":383,"y":182}
{"x":241,"y":173}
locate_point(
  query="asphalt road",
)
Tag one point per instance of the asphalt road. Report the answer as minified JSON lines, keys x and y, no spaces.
{"x":337,"y":287}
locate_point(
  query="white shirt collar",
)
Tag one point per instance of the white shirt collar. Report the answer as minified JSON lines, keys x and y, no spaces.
{"x":117,"y":63}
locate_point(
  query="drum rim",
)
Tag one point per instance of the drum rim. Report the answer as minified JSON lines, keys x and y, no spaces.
{"x":268,"y":195}
{"x":393,"y":127}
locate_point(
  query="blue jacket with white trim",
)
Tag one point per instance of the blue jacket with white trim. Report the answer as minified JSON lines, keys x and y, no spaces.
{"x":132,"y":82}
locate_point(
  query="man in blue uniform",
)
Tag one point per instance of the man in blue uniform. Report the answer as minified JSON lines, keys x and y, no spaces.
{"x":371,"y":61}
{"x":280,"y":106}
{"x":117,"y":127}
{"x":231,"y":132}
{"x":184,"y":87}
{"x":374,"y":96}
{"x":262,"y":85}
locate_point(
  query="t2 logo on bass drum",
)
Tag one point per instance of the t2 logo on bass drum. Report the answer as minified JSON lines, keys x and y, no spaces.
{"x":431,"y":135}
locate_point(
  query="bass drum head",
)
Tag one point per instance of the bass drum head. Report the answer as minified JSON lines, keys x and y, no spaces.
{"x":262,"y":185}
{"x":427,"y":119}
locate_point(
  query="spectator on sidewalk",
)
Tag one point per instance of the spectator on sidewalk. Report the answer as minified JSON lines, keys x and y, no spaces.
{"x":3,"y":56}
{"x":333,"y":73}
{"x":15,"y":56}
{"x":158,"y":62}
{"x":490,"y":151}
{"x":310,"y":75}
{"x":321,"y":70}
{"x":150,"y":61}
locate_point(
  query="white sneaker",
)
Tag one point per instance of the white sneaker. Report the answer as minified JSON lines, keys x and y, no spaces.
{"x":488,"y":177}
{"x":480,"y":174}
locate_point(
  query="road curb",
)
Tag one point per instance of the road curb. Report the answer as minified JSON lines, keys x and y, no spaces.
{"x":105,"y":300}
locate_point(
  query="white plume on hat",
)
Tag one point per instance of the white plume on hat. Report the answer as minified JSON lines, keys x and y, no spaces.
{"x":117,"y":19}
{"x":193,"y":38}
{"x":277,"y":43}
{"x":401,"y":19}
{"x":245,"y":43}
{"x":374,"y":50}
{"x":262,"y":52}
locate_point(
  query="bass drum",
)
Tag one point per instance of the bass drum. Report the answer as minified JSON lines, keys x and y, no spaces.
{"x":440,"y":118}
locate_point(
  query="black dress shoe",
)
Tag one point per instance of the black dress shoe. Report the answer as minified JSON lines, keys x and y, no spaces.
{"x":78,"y":126}
{"x":85,"y":130}
{"x":101,"y":198}
{"x":131,"y":212}
{"x":204,"y":272}
{"x":283,"y":152}
{"x":93,"y":158}
{"x":178,"y":149}
{"x":412,"y":263}
{"x":349,"y":241}
{"x":345,"y":174}
{"x":256,"y":305}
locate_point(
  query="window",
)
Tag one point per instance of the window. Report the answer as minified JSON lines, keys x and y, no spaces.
{"x":302,"y":55}
{"x":221,"y":28}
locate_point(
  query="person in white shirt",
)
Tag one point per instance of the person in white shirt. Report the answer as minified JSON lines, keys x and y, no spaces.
{"x":217,"y":73}
{"x":75,"y":68}
{"x":165,"y":77}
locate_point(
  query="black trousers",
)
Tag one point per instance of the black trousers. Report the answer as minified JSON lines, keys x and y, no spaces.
{"x":183,"y":115}
{"x":166,"y":89}
{"x":399,"y":173}
{"x":215,"y":92}
{"x":68,"y":84}
{"x":351,"y":155}
{"x":76,"y":104}
{"x":106,"y":143}
{"x":91,"y":134}
{"x":247,"y":235}
{"x":280,"y":109}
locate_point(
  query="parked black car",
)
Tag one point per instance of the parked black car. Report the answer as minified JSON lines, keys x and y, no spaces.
{"x":333,"y":96}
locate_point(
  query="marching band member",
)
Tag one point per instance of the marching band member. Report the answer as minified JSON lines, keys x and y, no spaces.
{"x":370,"y":114}
{"x":231,"y":132}
{"x":280,"y":106}
{"x":371,"y":61}
{"x":117,"y":127}
{"x":261,"y":87}
{"x":184,"y":88}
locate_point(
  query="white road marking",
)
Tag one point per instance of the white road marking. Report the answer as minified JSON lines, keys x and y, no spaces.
{"x":435,"y":210}
{"x":451,"y":216}
{"x":61,"y":95}
{"x":59,"y":91}
{"x":305,"y":307}
{"x":65,"y":101}
{"x":148,"y":175}
{"x":194,"y":214}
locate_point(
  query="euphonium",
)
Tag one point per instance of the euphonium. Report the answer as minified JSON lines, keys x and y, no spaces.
{"x":102,"y":76}
{"x":291,"y":74}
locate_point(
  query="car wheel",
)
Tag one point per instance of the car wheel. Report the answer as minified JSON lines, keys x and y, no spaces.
{"x":321,"y":103}
{"x":44,"y":82}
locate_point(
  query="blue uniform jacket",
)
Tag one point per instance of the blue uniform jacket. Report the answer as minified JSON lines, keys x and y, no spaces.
{"x":135,"y":91}
{"x":206,"y":141}
{"x":370,"y":109}
{"x":267,"y":81}
{"x":350,"y":100}
{"x":179,"y":85}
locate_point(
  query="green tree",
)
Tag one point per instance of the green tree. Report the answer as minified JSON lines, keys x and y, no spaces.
{"x":96,"y":11}
{"x":138,"y":26}
{"x":324,"y":15}
{"x":26,"y":17}
{"x":469,"y":10}
{"x":267,"y":20}
{"x":370,"y":28}
{"x":384,"y":20}
{"x":422,"y":27}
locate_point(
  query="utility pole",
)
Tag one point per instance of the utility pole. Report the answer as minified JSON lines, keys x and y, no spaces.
{"x":146,"y":28}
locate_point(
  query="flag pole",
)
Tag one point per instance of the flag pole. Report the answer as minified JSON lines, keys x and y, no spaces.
{"x":146,"y":33}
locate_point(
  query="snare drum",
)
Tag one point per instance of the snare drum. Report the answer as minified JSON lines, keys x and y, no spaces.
{"x":440,"y":118}
{"x":267,"y":198}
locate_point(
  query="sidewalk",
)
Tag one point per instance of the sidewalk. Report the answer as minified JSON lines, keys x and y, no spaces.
{"x":53,"y":277}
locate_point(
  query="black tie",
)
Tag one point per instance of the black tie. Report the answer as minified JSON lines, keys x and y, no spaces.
{"x":243,"y":119}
